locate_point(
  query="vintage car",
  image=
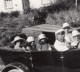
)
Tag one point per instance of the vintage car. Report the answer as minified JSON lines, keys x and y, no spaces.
{"x":40,"y":61}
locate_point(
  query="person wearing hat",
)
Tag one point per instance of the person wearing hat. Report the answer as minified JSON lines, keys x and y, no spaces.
{"x":31,"y":44}
{"x":59,"y":44}
{"x":43,"y":45}
{"x":76,"y":39}
{"x":67,"y":37}
{"x":18,"y":43}
{"x":23,"y":36}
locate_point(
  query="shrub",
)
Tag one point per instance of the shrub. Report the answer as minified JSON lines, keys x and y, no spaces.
{"x":14,"y":14}
{"x":39,"y":16}
{"x":70,"y":16}
{"x":27,"y":10}
{"x":2,"y":14}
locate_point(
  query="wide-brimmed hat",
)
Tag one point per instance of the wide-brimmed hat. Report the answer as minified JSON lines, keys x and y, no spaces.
{"x":59,"y":31}
{"x":16,"y":39}
{"x":66,"y":25}
{"x":75,"y":33}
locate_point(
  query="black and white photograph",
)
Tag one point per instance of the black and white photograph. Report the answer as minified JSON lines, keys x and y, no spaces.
{"x":39,"y":35}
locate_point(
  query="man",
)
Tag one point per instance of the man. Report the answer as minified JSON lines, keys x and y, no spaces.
{"x":31,"y":43}
{"x":43,"y":45}
{"x":67,"y":37}
{"x":76,"y":39}
{"x":60,"y":41}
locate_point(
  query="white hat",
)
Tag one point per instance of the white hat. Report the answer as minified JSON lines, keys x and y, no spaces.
{"x":41,"y":36}
{"x":16,"y":39}
{"x":30,"y":39}
{"x":66,"y":25}
{"x":75,"y":33}
{"x":59,"y":31}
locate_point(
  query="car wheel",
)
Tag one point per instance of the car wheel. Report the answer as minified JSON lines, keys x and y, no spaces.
{"x":15,"y":70}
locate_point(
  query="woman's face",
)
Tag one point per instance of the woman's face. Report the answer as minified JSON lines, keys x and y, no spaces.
{"x":43,"y":41}
{"x":17,"y":45}
{"x":32,"y":43}
{"x":76,"y":38}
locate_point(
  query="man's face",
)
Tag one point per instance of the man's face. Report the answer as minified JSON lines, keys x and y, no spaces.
{"x":66,"y":29}
{"x":60,"y":36}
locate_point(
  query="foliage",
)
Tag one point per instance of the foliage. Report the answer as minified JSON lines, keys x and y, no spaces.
{"x":39,"y":16}
{"x":12,"y":26}
{"x":14,"y":14}
{"x":70,"y":16}
{"x":2,"y":14}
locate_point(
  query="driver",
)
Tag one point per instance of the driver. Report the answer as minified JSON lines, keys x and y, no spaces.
{"x":60,"y":41}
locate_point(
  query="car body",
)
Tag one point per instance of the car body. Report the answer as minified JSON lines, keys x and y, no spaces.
{"x":41,"y":61}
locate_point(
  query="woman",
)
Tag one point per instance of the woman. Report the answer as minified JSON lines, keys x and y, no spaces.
{"x":31,"y":44}
{"x":76,"y":39}
{"x":19,"y":43}
{"x":43,"y":45}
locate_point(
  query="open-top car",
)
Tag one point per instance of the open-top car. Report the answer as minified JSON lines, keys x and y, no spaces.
{"x":40,"y":61}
